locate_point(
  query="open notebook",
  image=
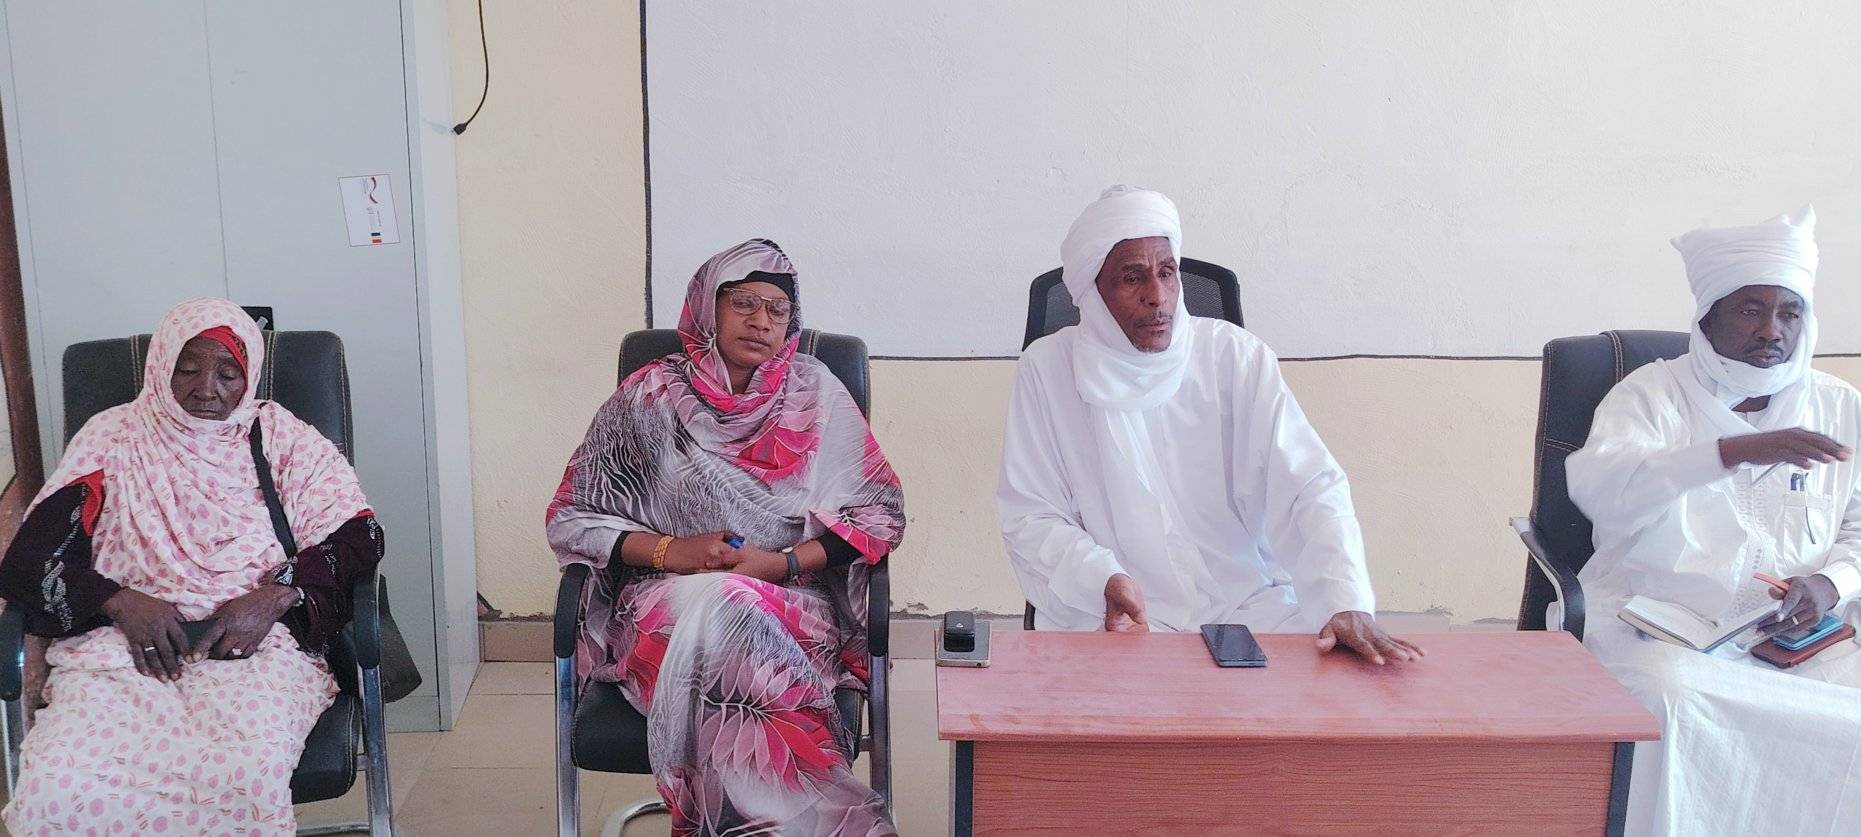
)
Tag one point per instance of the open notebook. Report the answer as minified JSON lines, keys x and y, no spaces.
{"x":1680,"y":626}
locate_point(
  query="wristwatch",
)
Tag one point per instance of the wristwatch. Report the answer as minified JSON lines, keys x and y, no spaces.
{"x":794,"y":565}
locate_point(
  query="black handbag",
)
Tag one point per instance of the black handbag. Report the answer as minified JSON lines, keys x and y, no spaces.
{"x":399,"y":676}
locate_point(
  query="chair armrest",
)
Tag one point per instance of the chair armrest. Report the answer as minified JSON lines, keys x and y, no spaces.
{"x":12,"y":652}
{"x":365,"y":623}
{"x":569,"y":607}
{"x":1569,"y":590}
{"x":879,"y":609}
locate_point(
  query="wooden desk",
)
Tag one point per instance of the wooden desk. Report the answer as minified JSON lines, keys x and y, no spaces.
{"x":1094,"y":733}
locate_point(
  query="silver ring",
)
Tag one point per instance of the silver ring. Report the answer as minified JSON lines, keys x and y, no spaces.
{"x":237,"y":652}
{"x":150,"y":649}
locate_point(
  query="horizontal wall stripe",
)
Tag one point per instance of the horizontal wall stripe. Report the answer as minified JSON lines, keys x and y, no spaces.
{"x":1299,"y":359}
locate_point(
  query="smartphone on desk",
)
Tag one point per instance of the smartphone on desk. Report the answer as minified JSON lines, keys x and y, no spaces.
{"x":1233,"y":646}
{"x":963,"y":640}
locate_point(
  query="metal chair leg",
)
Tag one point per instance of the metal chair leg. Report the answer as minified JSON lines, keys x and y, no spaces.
{"x":616,"y":824}
{"x":375,"y":749}
{"x":355,"y":827}
{"x":878,"y":703}
{"x":15,"y":734}
{"x":568,"y":781}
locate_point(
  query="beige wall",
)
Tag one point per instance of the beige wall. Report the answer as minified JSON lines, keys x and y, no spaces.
{"x":552,"y":230}
{"x":551,"y":207}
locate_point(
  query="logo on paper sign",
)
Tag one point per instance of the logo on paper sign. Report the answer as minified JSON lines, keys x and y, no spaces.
{"x":374,"y":212}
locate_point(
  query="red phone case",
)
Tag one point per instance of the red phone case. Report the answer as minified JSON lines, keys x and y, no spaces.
{"x":1769,"y":651}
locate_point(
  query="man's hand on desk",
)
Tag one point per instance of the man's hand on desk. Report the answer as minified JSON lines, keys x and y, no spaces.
{"x":1810,"y":596}
{"x":1124,"y":606}
{"x":1359,"y":632}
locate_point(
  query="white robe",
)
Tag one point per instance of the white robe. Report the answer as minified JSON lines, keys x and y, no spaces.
{"x":1746,"y":748}
{"x":1263,"y":508}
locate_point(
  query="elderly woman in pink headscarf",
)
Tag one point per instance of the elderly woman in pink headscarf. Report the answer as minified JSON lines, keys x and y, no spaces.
{"x":154,"y":528}
{"x":739,"y":499}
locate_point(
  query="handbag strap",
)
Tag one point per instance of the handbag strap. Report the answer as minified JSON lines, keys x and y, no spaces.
{"x":279,"y":523}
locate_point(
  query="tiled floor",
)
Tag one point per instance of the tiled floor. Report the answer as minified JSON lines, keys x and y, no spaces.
{"x":493,"y":773}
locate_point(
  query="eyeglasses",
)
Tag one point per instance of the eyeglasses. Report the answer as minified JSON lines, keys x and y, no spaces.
{"x":746,"y":303}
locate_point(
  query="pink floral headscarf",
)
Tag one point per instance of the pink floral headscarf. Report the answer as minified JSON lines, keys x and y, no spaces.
{"x":182,"y":517}
{"x":769,"y":429}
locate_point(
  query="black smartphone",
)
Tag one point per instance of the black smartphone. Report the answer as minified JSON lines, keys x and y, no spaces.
{"x":962,"y":640}
{"x":1233,"y":646}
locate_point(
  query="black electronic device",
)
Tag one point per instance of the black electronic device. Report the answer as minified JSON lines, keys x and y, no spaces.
{"x":1233,"y":646}
{"x":962,"y":641}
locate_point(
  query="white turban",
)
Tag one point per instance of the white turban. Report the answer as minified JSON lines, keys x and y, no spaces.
{"x":1111,"y":373}
{"x":1780,"y":252}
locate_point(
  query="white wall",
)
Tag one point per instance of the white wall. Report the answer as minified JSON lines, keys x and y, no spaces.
{"x":1442,"y":178}
{"x":1439,"y":451}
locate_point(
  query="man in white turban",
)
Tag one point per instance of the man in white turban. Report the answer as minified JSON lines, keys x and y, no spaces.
{"x":1699,"y":474}
{"x":1156,"y":471}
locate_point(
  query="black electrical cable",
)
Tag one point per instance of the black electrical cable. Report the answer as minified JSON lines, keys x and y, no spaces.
{"x":486,"y":93}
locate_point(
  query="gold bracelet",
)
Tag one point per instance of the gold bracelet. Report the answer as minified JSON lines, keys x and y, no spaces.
{"x":659,"y":553}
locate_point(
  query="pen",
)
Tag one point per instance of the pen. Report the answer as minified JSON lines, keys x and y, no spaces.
{"x":1799,"y":482}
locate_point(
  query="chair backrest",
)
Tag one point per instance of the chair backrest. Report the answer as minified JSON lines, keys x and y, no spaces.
{"x":1209,"y":290}
{"x":304,"y":370}
{"x":843,"y":354}
{"x":1578,"y":372}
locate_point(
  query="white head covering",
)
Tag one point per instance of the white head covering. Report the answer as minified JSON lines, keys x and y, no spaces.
{"x":1781,"y":252}
{"x":1110,"y":372}
{"x":1118,"y":382}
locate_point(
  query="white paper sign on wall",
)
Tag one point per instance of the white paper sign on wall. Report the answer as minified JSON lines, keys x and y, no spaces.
{"x":368,"y":210}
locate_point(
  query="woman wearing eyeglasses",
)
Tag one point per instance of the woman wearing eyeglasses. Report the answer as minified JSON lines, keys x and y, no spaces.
{"x":737,"y":497}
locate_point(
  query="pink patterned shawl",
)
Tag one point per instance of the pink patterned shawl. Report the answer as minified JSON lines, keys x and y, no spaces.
{"x":183,"y":519}
{"x":673,"y":451}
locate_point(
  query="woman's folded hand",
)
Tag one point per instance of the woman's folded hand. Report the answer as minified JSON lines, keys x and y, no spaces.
{"x":153,"y":628}
{"x":241,"y":624}
{"x":761,"y":563}
{"x":700,"y":553}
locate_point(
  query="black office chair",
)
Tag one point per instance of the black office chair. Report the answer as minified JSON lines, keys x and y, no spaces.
{"x":1209,"y":290}
{"x":304,"y":371}
{"x":1578,"y":372}
{"x":599,"y":730}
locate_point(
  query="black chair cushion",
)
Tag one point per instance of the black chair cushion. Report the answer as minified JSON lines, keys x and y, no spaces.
{"x":609,"y":735}
{"x":1209,"y":290}
{"x":842,"y":354}
{"x":1578,"y":372}
{"x":326,"y":770}
{"x":304,"y":370}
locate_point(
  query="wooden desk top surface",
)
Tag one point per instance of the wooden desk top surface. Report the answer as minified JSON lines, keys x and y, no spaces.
{"x":1526,"y":686}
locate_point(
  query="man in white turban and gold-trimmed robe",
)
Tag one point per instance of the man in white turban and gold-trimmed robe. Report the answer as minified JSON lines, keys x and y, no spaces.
{"x":1703,"y":474}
